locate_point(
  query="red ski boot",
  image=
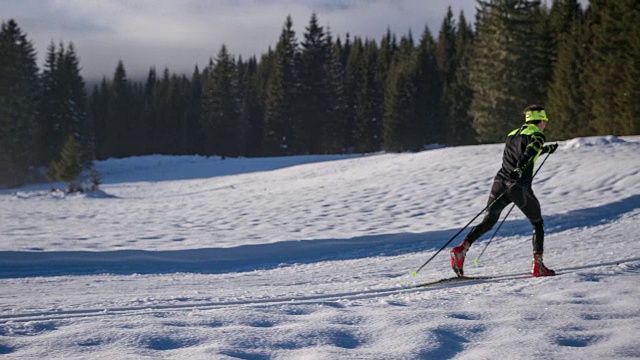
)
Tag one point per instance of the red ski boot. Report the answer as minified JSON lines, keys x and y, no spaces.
{"x":457,"y":257}
{"x":538,"y":268}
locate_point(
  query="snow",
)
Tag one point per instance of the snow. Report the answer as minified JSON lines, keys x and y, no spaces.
{"x":310,"y":257}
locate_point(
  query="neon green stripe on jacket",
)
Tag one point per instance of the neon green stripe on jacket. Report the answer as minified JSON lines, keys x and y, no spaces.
{"x":534,"y":148}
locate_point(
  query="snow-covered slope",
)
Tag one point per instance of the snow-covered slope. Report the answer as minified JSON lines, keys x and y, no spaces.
{"x":310,"y":258}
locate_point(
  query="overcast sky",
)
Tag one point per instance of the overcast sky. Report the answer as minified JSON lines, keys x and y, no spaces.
{"x":179,"y":34}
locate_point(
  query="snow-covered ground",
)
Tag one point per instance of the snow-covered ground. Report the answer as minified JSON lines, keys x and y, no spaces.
{"x":310,"y":258}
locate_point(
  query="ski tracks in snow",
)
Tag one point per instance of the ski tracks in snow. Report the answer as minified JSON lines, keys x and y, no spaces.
{"x":337,"y":299}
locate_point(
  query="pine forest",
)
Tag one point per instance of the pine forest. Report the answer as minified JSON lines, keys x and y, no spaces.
{"x":318,"y":93}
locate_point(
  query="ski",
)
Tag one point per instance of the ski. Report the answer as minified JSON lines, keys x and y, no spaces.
{"x":455,"y":279}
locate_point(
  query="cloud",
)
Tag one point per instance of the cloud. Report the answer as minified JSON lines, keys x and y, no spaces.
{"x":181,"y":34}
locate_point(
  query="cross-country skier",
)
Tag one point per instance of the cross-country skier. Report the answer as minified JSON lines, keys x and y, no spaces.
{"x":522,"y":148}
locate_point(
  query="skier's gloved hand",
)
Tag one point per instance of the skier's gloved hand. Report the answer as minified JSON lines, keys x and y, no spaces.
{"x":516,"y":174}
{"x":551,"y":148}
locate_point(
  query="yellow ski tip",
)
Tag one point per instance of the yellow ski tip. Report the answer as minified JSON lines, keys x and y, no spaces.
{"x":414,"y":273}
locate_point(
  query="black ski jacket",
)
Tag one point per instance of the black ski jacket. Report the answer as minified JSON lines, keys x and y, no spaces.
{"x":521,"y":150}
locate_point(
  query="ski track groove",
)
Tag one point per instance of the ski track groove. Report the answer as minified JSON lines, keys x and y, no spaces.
{"x":295,"y":300}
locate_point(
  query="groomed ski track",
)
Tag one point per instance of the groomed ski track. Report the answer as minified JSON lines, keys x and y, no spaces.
{"x":293,"y":300}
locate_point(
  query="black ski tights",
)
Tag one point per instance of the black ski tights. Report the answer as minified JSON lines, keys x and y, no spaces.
{"x":524,"y":199}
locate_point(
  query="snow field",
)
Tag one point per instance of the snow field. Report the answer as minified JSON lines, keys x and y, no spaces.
{"x":309,"y":258}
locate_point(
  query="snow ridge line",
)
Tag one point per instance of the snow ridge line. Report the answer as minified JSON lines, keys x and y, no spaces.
{"x":295,"y":300}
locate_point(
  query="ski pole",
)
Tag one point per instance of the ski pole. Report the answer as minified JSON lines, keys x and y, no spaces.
{"x":506,"y":216}
{"x":461,"y":230}
{"x":494,"y":234}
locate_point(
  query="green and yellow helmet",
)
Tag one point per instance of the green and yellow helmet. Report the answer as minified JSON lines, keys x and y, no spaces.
{"x":535,"y":113}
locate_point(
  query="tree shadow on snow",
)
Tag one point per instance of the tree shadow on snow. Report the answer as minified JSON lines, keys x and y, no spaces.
{"x":279,"y":254}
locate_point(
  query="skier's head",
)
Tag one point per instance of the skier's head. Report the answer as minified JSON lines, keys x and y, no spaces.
{"x":534,"y":112}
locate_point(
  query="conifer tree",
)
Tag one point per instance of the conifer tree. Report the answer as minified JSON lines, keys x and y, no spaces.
{"x":194,"y":134}
{"x":151,"y":113}
{"x":629,"y":102}
{"x":263,"y":77}
{"x":315,"y":92}
{"x":346,"y":50}
{"x":179,"y":107}
{"x":503,"y":66}
{"x":77,"y":107}
{"x":565,"y":102}
{"x":401,"y":125}
{"x":281,"y":107}
{"x":98,"y":112}
{"x":459,"y":94}
{"x":333,"y":130}
{"x":610,"y":86}
{"x":52,"y":135}
{"x":19,"y":94}
{"x":563,"y":15}
{"x":430,"y":123}
{"x":386,"y":54}
{"x":251,"y":112}
{"x":352,"y":84}
{"x":368,"y":103}
{"x":406,"y":47}
{"x":165,"y":129}
{"x":399,"y":107}
{"x":542,"y":54}
{"x":121,"y":130}
{"x":69,"y":166}
{"x":221,"y":112}
{"x":445,"y":47}
{"x":63,"y":106}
